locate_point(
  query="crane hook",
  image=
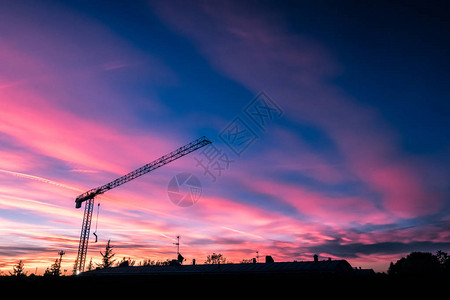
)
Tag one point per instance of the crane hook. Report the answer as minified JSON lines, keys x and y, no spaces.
{"x":96,"y":224}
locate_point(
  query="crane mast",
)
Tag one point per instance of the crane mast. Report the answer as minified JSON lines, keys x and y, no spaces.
{"x":89,"y":196}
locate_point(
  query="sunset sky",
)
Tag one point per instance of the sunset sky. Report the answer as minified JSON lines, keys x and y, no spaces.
{"x":329,"y":122}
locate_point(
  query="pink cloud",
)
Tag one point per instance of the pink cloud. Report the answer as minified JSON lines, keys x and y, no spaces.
{"x":48,"y":110}
{"x":46,"y":115}
{"x":403,"y":191}
{"x":305,"y":161}
{"x":60,"y":134}
{"x":57,"y":101}
{"x":294,"y":70}
{"x":332,"y":211}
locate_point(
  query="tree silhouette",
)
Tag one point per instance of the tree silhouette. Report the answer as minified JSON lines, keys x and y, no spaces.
{"x":107,"y":257}
{"x":126,"y":262}
{"x":54,"y":269}
{"x":215,"y":259}
{"x":444,"y":260}
{"x":147,"y":262}
{"x":18,"y":270}
{"x":90,"y":266}
{"x":162,"y":263}
{"x":417,"y":263}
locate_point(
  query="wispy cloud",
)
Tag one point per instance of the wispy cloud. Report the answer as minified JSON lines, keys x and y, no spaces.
{"x":41,"y":179}
{"x":79,"y":106}
{"x":296,"y":70}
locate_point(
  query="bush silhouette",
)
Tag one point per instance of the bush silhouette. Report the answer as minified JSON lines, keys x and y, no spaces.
{"x":416,"y":263}
{"x":18,"y":270}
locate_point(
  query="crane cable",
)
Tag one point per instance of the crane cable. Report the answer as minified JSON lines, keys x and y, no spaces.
{"x":96,"y":224}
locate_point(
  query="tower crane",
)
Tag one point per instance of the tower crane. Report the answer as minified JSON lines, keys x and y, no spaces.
{"x":89,"y":196}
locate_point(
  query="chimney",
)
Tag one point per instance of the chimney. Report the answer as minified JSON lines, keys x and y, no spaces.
{"x":193,"y":261}
{"x":269,"y":259}
{"x":316,"y":258}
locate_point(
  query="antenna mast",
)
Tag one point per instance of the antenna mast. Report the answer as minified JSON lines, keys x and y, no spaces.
{"x":178,"y":245}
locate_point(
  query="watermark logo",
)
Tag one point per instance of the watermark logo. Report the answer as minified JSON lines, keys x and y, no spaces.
{"x":184,"y":189}
{"x":213,"y":161}
{"x":238,"y":135}
{"x":263,"y":110}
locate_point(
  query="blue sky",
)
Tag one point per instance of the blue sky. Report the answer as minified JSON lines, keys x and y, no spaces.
{"x":354,"y":165}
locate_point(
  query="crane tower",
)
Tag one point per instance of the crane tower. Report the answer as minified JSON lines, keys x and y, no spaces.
{"x":89,"y":196}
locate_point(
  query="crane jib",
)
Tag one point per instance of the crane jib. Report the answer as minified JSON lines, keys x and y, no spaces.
{"x":89,"y":196}
{"x":163,"y":160}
